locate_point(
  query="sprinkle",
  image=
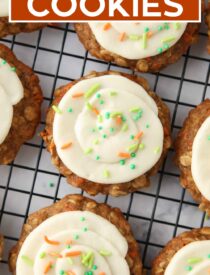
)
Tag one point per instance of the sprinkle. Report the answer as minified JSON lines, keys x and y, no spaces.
{"x":122,"y":162}
{"x":66,"y":146}
{"x":92,"y":90}
{"x":100,"y":127}
{"x":106,"y":174}
{"x":95,"y":267}
{"x":160,"y":28}
{"x":144,"y":41}
{"x":149,"y":34}
{"x":4,"y":62}
{"x":56,"y":109}
{"x":47,"y":267}
{"x":135,"y":109}
{"x":89,"y":106}
{"x":85,"y":229}
{"x":105,"y":253}
{"x":125,"y":127}
{"x":27,"y":260}
{"x":61,"y":272}
{"x":115,"y":114}
{"x":138,"y":136}
{"x":73,"y":254}
{"x":104,"y":136}
{"x":132,"y":137}
{"x":157,"y":150}
{"x":118,"y":120}
{"x":88,"y":151}
{"x":100,"y":118}
{"x":107,"y":115}
{"x":208,"y":256}
{"x":122,"y":36}
{"x":51,"y":184}
{"x":147,"y":126}
{"x":166,"y":26}
{"x":101,"y":102}
{"x":94,"y":130}
{"x":96,"y":141}
{"x":51,"y":241}
{"x":70,"y":110}
{"x":55,"y":254}
{"x":76,"y":236}
{"x":77,"y":95}
{"x":102,"y":273}
{"x":177,"y":26}
{"x":188,"y":268}
{"x":42,"y":255}
{"x":97,"y":157}
{"x":134,"y":37}
{"x":133,"y":147}
{"x":70,"y":272}
{"x":98,"y":95}
{"x":209,"y":137}
{"x":141,"y":146}
{"x":107,"y":26}
{"x":159,"y":50}
{"x":166,"y":46}
{"x":113,"y":93}
{"x":146,"y":29}
{"x":96,"y":111}
{"x":124,"y":155}
{"x":112,"y":129}
{"x":133,"y":155}
{"x":168,"y":39}
{"x":68,"y":246}
{"x":13,"y":69}
{"x":194,"y":260}
{"x":132,"y":166}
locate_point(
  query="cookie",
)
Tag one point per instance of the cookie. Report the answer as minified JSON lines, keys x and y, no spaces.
{"x":7,"y":28}
{"x":20,"y":105}
{"x":1,"y":246}
{"x":76,"y":236}
{"x":145,"y":46}
{"x":186,"y":254}
{"x":108,"y":133}
{"x":192,"y":149}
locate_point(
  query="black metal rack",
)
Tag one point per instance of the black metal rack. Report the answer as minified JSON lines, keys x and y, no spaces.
{"x":145,"y":225}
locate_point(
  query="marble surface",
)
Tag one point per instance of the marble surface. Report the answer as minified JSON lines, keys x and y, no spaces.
{"x":157,"y":213}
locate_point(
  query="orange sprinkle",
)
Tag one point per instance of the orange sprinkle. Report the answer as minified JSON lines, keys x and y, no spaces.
{"x":73,"y":254}
{"x":122,"y":36}
{"x":124,"y":155}
{"x":69,"y":242}
{"x":102,"y":273}
{"x":149,"y":34}
{"x":55,"y":254}
{"x":118,"y":120}
{"x":47,"y":267}
{"x":70,"y":272}
{"x":50,"y":241}
{"x":140,"y":134}
{"x":66,"y":146}
{"x":107,"y":26}
{"x":77,"y":95}
{"x":96,"y":111}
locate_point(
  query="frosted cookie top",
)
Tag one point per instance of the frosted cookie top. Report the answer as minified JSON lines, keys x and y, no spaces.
{"x":4,"y":8}
{"x":106,"y":129}
{"x":200,"y":159}
{"x":74,"y":242}
{"x":193,"y":259}
{"x":137,"y":40}
{"x":11,"y":92}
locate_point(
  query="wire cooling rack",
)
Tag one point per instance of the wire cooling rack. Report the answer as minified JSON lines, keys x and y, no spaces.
{"x":157,"y":213}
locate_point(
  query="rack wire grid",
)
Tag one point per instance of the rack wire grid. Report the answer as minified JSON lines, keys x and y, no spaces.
{"x":156,"y":214}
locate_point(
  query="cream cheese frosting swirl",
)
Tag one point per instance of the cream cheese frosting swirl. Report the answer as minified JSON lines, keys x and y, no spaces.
{"x":11,"y":92}
{"x":106,"y":129}
{"x":200,"y":159}
{"x":193,"y":259}
{"x":137,"y":40}
{"x":4,"y":8}
{"x":74,"y":243}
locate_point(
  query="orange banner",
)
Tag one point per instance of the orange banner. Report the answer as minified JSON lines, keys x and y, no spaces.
{"x":86,"y":10}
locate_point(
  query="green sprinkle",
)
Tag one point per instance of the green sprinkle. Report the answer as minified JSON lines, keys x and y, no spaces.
{"x":100,"y":128}
{"x":114,"y":114}
{"x":85,"y":229}
{"x":106,"y":174}
{"x":133,"y":155}
{"x":42,"y":255}
{"x":27,"y":260}
{"x":146,"y":29}
{"x":159,"y":50}
{"x":97,"y":157}
{"x":107,"y":115}
{"x":94,"y":130}
{"x":96,"y":141}
{"x":177,"y":26}
{"x":98,"y":95}
{"x":132,"y":137}
{"x":188,"y":268}
{"x":168,"y":39}
{"x":194,"y":260}
{"x":157,"y":150}
{"x":56,"y":109}
{"x":141,"y":146}
{"x":82,"y":219}
{"x":4,"y":62}
{"x":208,"y":256}
{"x":112,"y":129}
{"x":86,"y":258}
{"x":95,"y":267}
{"x":166,"y":26}
{"x":125,"y":127}
{"x":61,"y":272}
{"x":133,"y":147}
{"x":113,"y":93}
{"x":132,"y":166}
{"x":13,"y":69}
{"x":147,"y":126}
{"x":104,"y":136}
{"x":101,"y":102}
{"x":144,"y":41}
{"x":160,"y":28}
{"x":123,"y":119}
{"x":92,"y":90}
{"x":70,"y":110}
{"x":76,"y":237}
{"x":105,"y":253}
{"x":122,"y":162}
{"x":89,"y":106}
{"x":134,"y":37}
{"x":68,"y":246}
{"x":100,"y":118}
{"x":135,"y":109}
{"x":166,"y":46}
{"x":51,"y":184}
{"x":209,"y":137}
{"x":88,"y":151}
{"x":70,"y":261}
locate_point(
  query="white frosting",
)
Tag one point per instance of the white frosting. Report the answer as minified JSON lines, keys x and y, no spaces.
{"x":86,"y":232}
{"x":95,"y":149}
{"x":193,"y":259}
{"x":4,"y":8}
{"x":200,"y":159}
{"x":160,"y":36}
{"x":11,"y":92}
